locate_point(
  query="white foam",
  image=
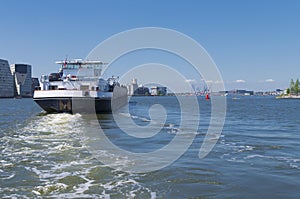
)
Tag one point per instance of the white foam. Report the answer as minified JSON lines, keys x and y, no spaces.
{"x":153,"y":195}
{"x":5,"y":164}
{"x":45,"y":137}
{"x":81,"y":188}
{"x":294,"y":166}
{"x":48,"y":189}
{"x":245,"y":148}
{"x":125,"y":114}
{"x":47,"y":174}
{"x":256,"y":156}
{"x":61,"y":124}
{"x":8,"y":177}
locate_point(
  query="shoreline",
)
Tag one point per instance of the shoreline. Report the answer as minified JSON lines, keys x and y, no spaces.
{"x":288,"y":97}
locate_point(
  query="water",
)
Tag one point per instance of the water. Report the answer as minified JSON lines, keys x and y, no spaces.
{"x":257,"y":154}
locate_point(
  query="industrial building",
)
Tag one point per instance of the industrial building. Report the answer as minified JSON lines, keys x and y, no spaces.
{"x":158,"y":90}
{"x":142,"y":90}
{"x":134,"y":89}
{"x":6,"y":80}
{"x":243,"y":92}
{"x":23,"y":82}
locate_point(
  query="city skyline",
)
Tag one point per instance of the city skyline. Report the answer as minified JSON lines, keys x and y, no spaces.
{"x":254,"y":44}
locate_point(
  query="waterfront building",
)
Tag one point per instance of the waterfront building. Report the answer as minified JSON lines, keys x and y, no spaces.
{"x":132,"y":87}
{"x":6,"y":80}
{"x":158,"y":90}
{"x":241,"y":92}
{"x":142,"y":90}
{"x":22,"y":79}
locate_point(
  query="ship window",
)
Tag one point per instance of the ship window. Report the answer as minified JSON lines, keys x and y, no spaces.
{"x":53,"y":87}
{"x":84,"y":87}
{"x":54,"y":77}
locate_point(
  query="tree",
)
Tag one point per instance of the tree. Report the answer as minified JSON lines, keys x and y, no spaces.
{"x":292,"y":86}
{"x":296,"y":87}
{"x":288,"y":91}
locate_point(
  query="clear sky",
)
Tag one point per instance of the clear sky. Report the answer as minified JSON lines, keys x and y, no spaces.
{"x":255,"y":44}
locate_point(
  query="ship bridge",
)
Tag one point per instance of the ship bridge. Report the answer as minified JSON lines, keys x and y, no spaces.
{"x":78,"y":68}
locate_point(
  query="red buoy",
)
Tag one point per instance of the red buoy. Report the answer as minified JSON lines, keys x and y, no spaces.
{"x":207,"y":96}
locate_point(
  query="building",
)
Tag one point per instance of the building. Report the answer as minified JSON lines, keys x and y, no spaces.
{"x":158,"y":90}
{"x":6,"y":80}
{"x":240,"y":92}
{"x":132,"y":87}
{"x":22,"y":79}
{"x":244,"y":92}
{"x":142,"y":90}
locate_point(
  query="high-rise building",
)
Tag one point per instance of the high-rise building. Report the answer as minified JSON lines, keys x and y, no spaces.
{"x":132,"y":87}
{"x":23,"y":81}
{"x":6,"y":80}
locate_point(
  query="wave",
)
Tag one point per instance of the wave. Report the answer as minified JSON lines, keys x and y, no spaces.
{"x":170,"y":128}
{"x":52,"y":160}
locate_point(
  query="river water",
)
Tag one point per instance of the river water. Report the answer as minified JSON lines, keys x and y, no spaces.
{"x":257,"y":154}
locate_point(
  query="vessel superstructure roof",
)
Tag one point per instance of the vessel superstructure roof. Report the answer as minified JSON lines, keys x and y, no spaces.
{"x":80,"y":62}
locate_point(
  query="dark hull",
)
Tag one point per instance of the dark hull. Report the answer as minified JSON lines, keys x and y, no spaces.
{"x":80,"y":105}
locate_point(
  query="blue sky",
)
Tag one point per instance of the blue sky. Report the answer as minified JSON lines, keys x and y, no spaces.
{"x":255,"y":44}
